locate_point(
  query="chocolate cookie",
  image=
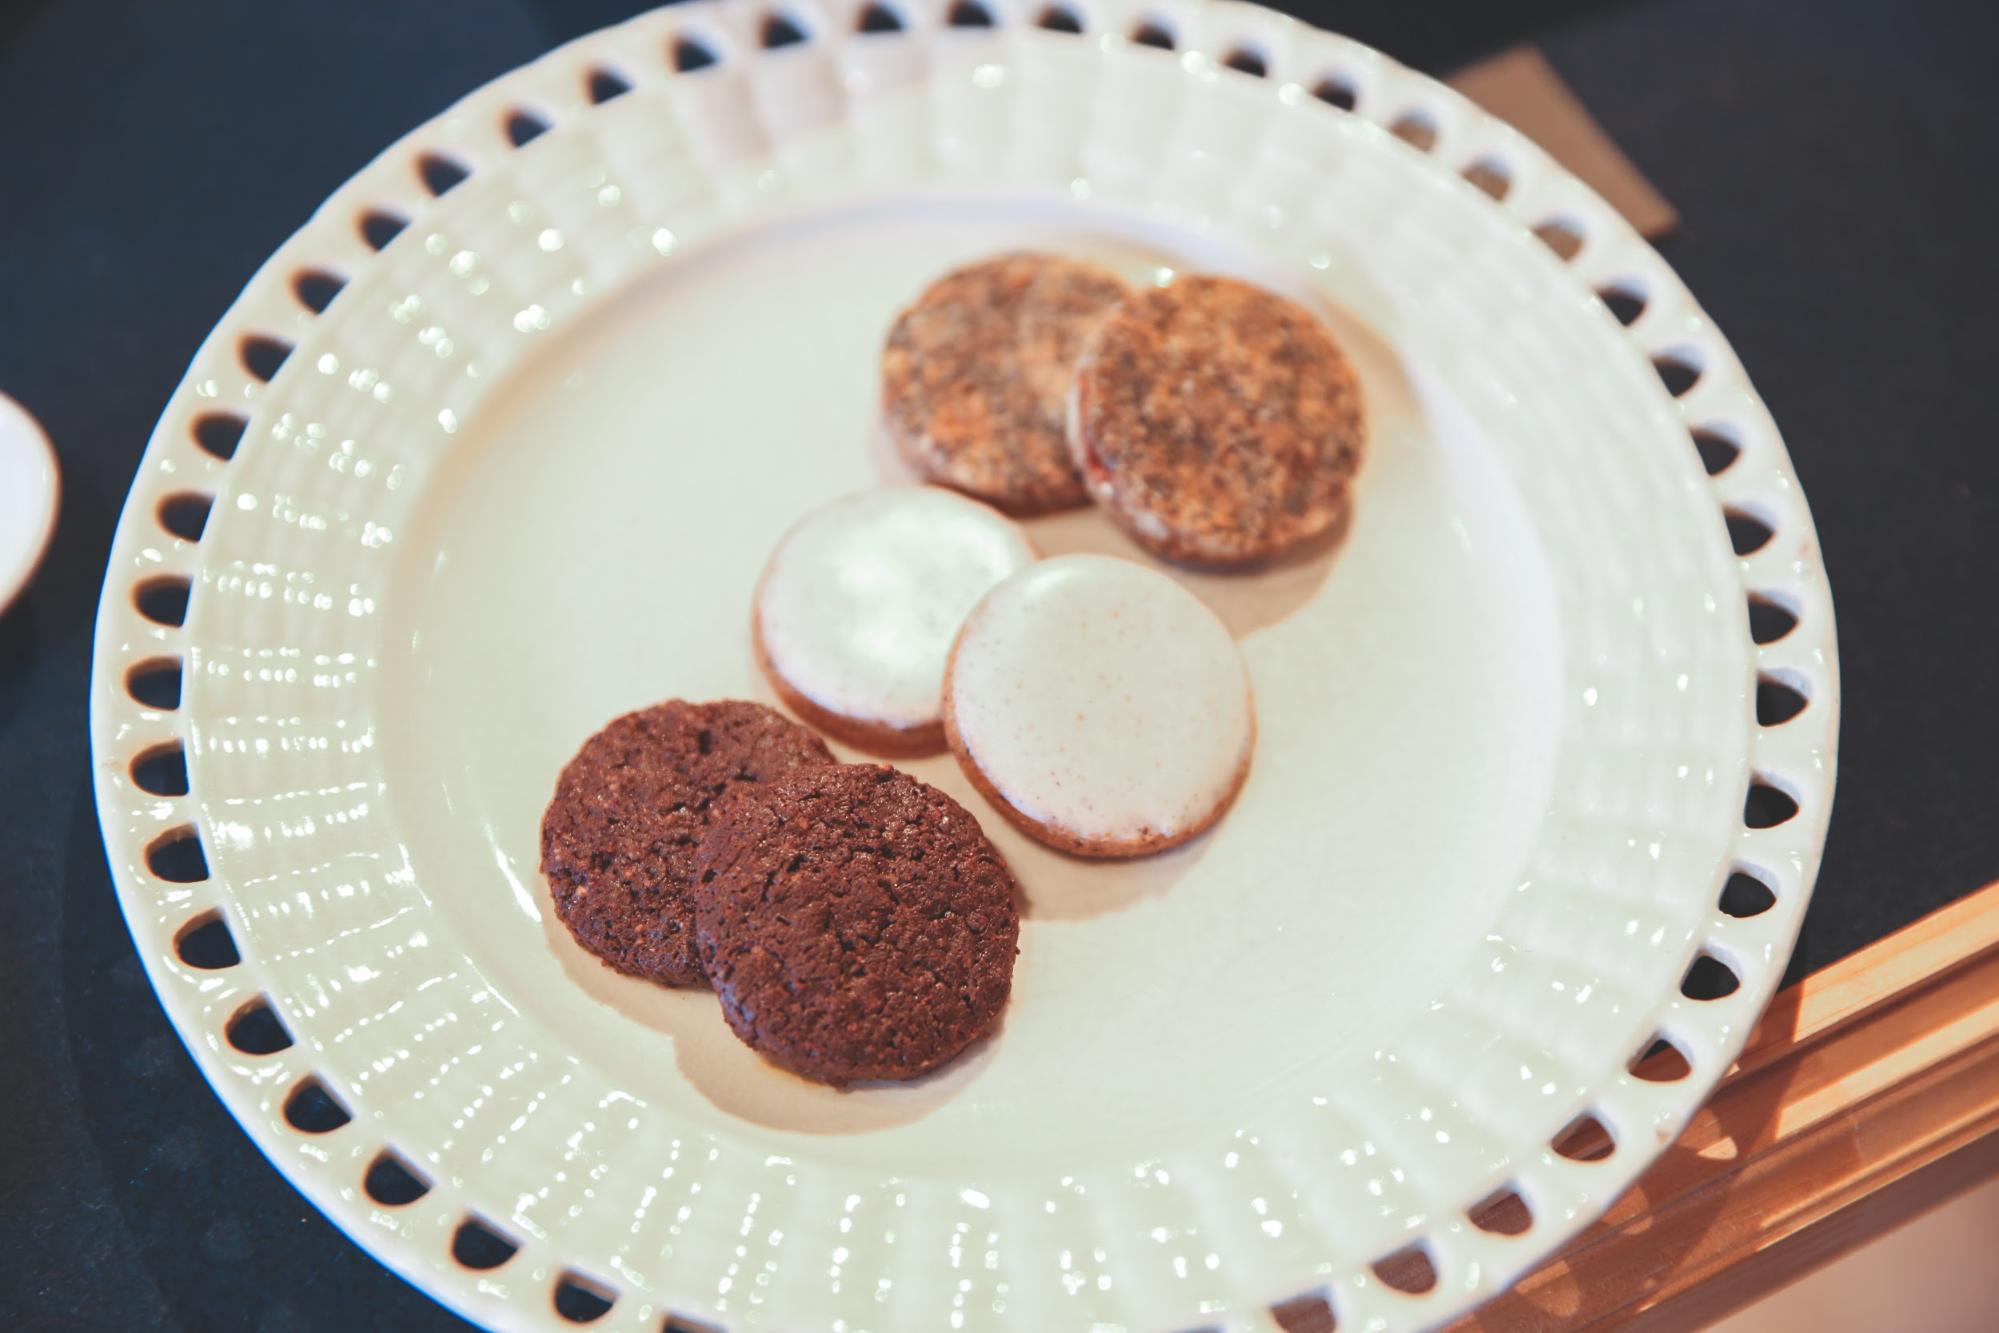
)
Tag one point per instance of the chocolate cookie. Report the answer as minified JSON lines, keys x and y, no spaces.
{"x":1216,"y":422}
{"x":619,"y":841}
{"x":975,"y":377}
{"x":855,"y":922}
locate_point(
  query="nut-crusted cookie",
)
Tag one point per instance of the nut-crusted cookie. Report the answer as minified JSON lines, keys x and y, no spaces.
{"x":1216,"y":422}
{"x":619,"y":840}
{"x":856,"y":923}
{"x":976,"y":373}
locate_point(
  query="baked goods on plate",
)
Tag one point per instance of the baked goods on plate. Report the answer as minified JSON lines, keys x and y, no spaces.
{"x":1216,"y":422}
{"x":1100,"y":706}
{"x":857,"y":608}
{"x":619,"y":839}
{"x":855,"y":923}
{"x":975,"y":372}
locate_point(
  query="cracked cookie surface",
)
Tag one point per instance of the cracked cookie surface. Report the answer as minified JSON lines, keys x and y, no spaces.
{"x":976,"y":373}
{"x":856,"y":923}
{"x":1217,"y":423}
{"x":619,"y":839}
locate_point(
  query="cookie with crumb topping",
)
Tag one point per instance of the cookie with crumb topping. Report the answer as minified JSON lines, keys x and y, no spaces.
{"x":1216,"y":422}
{"x":975,"y":377}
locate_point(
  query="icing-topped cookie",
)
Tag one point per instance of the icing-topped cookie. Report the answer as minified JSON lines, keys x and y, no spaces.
{"x":1101,"y":706}
{"x":858,"y":606}
{"x":975,"y":377}
{"x":1216,"y":422}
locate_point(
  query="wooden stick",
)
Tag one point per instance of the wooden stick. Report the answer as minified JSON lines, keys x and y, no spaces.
{"x":1868,"y":1093}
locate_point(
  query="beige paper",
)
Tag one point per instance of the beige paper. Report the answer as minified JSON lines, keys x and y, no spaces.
{"x":1523,"y":89}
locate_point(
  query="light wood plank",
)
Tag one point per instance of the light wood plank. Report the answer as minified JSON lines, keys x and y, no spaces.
{"x":1868,"y":1093}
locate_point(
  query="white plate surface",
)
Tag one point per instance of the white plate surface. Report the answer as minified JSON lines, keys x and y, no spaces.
{"x":521,"y":473}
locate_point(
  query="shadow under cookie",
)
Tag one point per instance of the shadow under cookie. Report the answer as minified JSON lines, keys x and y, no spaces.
{"x":741,"y":1083}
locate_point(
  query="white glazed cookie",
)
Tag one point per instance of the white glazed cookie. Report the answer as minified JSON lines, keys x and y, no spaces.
{"x":858,"y":606}
{"x":1101,"y":706}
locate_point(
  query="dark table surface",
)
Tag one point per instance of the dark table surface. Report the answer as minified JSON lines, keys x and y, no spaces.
{"x":1836,"y":166}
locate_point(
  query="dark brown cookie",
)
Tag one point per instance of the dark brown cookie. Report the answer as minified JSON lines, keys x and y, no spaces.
{"x":856,"y":923}
{"x":1216,"y":422}
{"x":975,"y":377}
{"x":619,"y":841}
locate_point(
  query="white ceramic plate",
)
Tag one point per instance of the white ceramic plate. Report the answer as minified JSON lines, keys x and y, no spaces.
{"x":29,"y":490}
{"x":520,"y":475}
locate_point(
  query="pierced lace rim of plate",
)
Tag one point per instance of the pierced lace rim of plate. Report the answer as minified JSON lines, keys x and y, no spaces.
{"x":1754,"y":486}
